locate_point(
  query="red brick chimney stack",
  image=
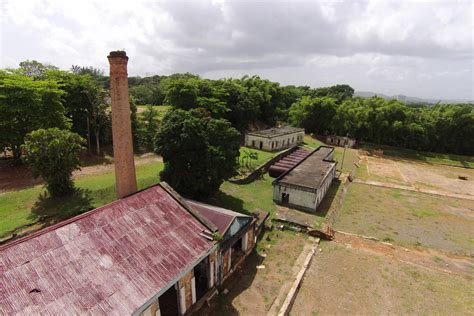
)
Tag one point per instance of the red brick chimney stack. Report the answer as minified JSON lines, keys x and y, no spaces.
{"x":125,"y":178}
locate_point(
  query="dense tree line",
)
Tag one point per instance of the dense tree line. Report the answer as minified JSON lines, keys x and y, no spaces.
{"x":441,"y":128}
{"x":37,"y":96}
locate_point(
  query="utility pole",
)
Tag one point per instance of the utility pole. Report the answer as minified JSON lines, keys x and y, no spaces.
{"x":344,"y":152}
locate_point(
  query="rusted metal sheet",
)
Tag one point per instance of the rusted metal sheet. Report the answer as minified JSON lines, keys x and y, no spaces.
{"x":111,"y":259}
{"x":288,"y":162}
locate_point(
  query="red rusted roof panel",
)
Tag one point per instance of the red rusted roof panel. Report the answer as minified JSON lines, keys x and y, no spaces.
{"x":112,"y":259}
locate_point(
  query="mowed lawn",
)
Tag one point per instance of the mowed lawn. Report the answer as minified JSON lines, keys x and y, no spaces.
{"x":32,"y":206}
{"x":409,"y":218}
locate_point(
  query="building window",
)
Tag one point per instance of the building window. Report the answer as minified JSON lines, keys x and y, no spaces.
{"x":253,"y":143}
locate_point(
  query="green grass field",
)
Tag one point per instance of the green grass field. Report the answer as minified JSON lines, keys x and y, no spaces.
{"x":408,"y":218}
{"x":430,"y":157}
{"x":32,"y":206}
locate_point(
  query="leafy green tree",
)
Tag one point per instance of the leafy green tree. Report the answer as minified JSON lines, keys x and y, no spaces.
{"x":53,"y":155}
{"x":27,"y":104}
{"x":35,"y":69}
{"x":199,"y":152}
{"x":313,"y":114}
{"x":149,"y":128}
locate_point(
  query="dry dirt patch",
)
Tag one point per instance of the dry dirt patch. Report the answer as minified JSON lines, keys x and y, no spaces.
{"x":254,"y":291}
{"x":350,"y":281}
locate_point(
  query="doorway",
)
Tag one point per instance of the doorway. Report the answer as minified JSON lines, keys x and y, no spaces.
{"x":169,"y":302}
{"x":201,"y":278}
{"x":285,"y":199}
{"x":261,"y":145}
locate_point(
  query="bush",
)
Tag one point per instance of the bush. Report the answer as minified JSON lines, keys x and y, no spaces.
{"x":53,"y":155}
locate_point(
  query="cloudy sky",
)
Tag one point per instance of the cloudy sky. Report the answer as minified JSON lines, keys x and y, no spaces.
{"x":416,"y":48}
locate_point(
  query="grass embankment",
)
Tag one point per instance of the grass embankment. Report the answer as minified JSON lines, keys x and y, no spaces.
{"x":32,"y":206}
{"x":429,"y":157}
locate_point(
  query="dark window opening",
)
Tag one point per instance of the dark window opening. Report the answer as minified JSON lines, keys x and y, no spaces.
{"x":169,"y":302}
{"x":261,"y":145}
{"x":237,"y":252}
{"x":285,"y":198}
{"x":201,"y":278}
{"x":253,"y":143}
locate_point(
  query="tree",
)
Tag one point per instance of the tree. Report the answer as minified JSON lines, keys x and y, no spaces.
{"x":33,"y":68}
{"x":149,"y":127}
{"x":199,"y":152}
{"x":53,"y":155}
{"x":313,"y":114}
{"x":26,"y":105}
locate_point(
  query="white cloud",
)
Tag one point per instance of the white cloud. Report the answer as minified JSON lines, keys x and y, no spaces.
{"x":420,"y":48}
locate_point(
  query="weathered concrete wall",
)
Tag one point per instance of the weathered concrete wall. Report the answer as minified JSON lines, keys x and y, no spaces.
{"x":274,"y":143}
{"x":340,"y":141}
{"x":186,"y":291}
{"x":125,"y":178}
{"x":301,"y":198}
{"x":152,"y":310}
{"x":298,"y":197}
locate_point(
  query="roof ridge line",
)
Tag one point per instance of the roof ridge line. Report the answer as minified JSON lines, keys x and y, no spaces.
{"x":187,"y":207}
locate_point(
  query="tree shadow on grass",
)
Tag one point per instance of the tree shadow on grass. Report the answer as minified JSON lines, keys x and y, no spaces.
{"x":49,"y":210}
{"x":227,"y":201}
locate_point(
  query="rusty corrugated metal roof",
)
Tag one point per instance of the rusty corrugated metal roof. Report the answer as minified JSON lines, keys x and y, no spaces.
{"x":111,"y":259}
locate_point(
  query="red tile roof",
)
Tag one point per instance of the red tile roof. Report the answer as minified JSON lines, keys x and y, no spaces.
{"x":114,"y":258}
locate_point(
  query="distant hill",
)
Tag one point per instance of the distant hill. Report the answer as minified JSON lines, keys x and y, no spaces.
{"x":407,"y":99}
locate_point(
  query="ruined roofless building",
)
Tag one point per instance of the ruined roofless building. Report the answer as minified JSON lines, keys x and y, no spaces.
{"x":126,"y":182}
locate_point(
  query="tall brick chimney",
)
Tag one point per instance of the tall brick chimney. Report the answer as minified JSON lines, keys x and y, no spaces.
{"x":125,"y":178}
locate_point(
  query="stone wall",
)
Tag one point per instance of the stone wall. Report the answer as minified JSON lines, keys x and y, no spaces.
{"x":274,"y":143}
{"x":186,"y":283}
{"x":302,"y":198}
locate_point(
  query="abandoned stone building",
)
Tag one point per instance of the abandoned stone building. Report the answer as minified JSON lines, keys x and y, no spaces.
{"x":342,"y":141}
{"x":274,"y":139}
{"x":148,"y":253}
{"x":304,"y":185}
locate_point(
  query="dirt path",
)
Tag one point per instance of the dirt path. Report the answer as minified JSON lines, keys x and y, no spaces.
{"x":20,"y":177}
{"x":426,"y":258}
{"x":100,"y":169}
{"x":282,"y":294}
{"x":410,"y":188}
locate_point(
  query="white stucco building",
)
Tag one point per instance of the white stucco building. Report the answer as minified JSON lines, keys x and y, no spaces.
{"x":305,"y":185}
{"x":274,"y":139}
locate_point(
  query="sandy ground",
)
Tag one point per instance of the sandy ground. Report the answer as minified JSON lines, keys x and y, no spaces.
{"x":20,"y":177}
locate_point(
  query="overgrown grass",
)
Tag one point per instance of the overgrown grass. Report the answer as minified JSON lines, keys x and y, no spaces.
{"x":430,"y":157}
{"x":33,"y":206}
{"x":311,"y":141}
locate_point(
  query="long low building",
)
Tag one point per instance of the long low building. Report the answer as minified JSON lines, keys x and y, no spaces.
{"x":304,"y":185}
{"x":151,"y":253}
{"x":274,"y":139}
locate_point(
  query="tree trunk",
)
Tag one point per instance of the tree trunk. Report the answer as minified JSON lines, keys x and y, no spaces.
{"x":89,"y":136}
{"x":97,"y":142}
